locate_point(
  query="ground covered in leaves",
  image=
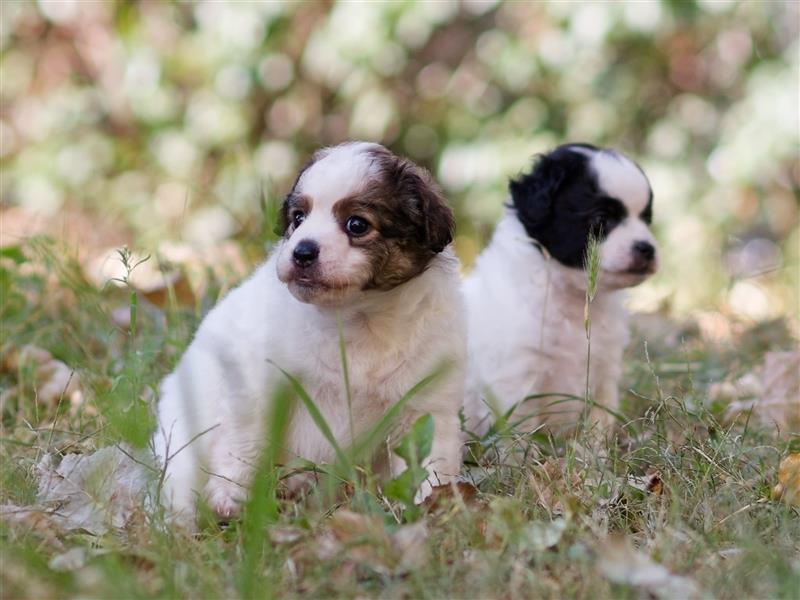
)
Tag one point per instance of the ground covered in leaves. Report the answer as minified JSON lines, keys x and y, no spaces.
{"x":686,"y":501}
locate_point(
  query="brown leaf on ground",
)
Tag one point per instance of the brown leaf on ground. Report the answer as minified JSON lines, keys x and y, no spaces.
{"x":650,"y":483}
{"x":156,"y":281}
{"x":284,"y":534}
{"x":771,"y":392}
{"x":91,"y":492}
{"x":32,"y":519}
{"x":788,"y":487}
{"x":443,"y":496}
{"x":54,"y":380}
{"x":619,"y":562}
{"x":364,"y":540}
{"x":553,"y":487}
{"x":75,"y":558}
{"x":176,"y":271}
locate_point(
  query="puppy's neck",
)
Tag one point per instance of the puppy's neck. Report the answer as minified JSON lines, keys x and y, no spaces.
{"x":530,"y":261}
{"x":387,"y":314}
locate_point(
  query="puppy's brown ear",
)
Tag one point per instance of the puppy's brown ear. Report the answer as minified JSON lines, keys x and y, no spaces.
{"x":439,"y":221}
{"x":426,"y":205}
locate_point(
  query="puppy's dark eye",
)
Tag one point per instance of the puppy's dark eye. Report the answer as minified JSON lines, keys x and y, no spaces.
{"x":298,"y":217}
{"x":356,"y":226}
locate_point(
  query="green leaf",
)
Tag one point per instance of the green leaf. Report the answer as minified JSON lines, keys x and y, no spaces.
{"x":13,"y":253}
{"x":415,"y":446}
{"x":403,"y":487}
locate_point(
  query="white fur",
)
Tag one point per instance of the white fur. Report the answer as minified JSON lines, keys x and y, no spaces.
{"x":526,"y":335}
{"x":339,"y":170}
{"x":619,"y":177}
{"x":219,"y":394}
{"x":615,"y":251}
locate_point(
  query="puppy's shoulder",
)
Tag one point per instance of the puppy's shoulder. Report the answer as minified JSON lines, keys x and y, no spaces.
{"x":248,"y":307}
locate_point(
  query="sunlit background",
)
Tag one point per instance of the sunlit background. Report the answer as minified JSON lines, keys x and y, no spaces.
{"x":174,"y":127}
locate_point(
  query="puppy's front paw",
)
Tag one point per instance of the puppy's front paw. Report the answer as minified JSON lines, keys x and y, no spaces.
{"x":225,"y":498}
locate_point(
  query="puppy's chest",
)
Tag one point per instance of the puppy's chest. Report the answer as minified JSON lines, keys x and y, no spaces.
{"x":565,"y":344}
{"x":376,"y":373}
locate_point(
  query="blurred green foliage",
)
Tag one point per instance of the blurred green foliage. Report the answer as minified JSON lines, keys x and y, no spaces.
{"x":169,"y":120}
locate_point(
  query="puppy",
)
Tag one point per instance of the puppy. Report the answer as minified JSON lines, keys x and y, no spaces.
{"x":526,"y":296}
{"x":366,"y":249}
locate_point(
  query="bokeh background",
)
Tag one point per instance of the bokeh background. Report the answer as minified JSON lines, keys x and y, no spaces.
{"x":174,"y":128}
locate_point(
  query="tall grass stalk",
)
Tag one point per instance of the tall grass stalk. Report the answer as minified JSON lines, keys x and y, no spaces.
{"x":126,"y":258}
{"x":592,"y":266}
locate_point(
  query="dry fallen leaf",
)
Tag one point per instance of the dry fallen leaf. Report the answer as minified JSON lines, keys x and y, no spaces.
{"x":364,"y":540}
{"x":153,"y":280}
{"x":409,"y":548}
{"x":444,"y":495}
{"x":74,"y":558}
{"x":91,"y":492}
{"x":771,"y":392}
{"x":175,"y":270}
{"x":651,"y":483}
{"x":284,"y":534}
{"x":788,"y":486}
{"x":32,"y":519}
{"x":541,"y":535}
{"x":619,"y":562}
{"x":553,"y":486}
{"x":54,"y":380}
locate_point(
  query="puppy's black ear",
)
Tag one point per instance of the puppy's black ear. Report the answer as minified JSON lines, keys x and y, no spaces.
{"x":532,"y":195}
{"x":426,"y":205}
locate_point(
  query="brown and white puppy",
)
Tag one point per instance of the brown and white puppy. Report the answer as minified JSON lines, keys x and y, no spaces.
{"x":366,"y":250}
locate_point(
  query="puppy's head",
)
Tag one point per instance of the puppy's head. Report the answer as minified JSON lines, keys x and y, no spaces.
{"x":577,"y":190}
{"x":359,"y":218}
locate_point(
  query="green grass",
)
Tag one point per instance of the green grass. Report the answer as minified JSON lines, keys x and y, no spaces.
{"x":535,"y":527}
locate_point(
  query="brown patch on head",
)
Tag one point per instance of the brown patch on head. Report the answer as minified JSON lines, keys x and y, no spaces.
{"x":409,"y":220}
{"x":293,"y":204}
{"x":293,"y":198}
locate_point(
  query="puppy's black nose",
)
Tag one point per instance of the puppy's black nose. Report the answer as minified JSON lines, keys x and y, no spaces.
{"x":305,"y":253}
{"x":644,"y":250}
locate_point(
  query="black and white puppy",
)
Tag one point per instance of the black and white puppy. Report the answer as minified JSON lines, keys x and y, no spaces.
{"x":366,"y":247}
{"x":526,"y":296}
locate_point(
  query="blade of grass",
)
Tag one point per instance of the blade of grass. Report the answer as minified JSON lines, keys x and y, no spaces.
{"x":372,"y":438}
{"x":346,"y":372}
{"x":262,"y":505}
{"x":319,"y":420}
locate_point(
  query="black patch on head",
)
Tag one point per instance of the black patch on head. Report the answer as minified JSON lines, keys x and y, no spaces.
{"x":647,"y":213}
{"x":560,"y":203}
